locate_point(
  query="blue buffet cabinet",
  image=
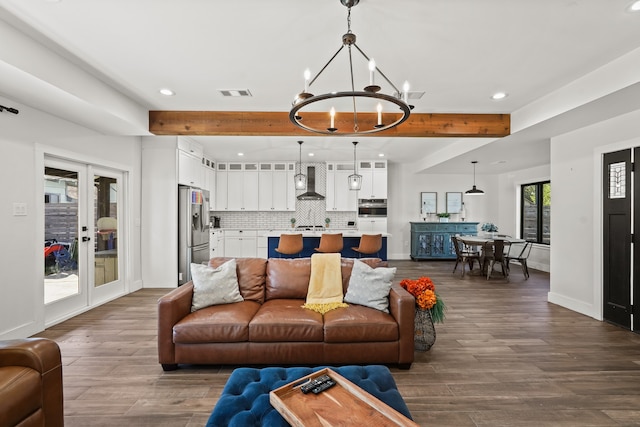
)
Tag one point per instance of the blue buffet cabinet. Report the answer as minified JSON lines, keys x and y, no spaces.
{"x":432,"y":240}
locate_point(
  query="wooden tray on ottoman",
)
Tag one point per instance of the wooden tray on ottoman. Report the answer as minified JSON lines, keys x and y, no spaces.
{"x":344,"y":404}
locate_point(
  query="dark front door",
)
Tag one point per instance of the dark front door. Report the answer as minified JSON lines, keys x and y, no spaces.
{"x":617,"y":238}
{"x":636,"y":248}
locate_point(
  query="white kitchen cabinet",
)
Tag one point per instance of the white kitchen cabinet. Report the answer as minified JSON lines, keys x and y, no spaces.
{"x":276,"y":192}
{"x":339,"y":197}
{"x":242,"y":187}
{"x":372,"y":225}
{"x":221,"y":199}
{"x":190,"y":171}
{"x":240,"y":243}
{"x":374,"y":179}
{"x":262,"y":243}
{"x":216,"y":243}
{"x":189,"y":146}
{"x":209,"y":171}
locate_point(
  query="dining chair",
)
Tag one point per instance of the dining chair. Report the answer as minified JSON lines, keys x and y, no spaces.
{"x":290,"y":244}
{"x":330,"y":243}
{"x":369,"y":244}
{"x":521,"y":253}
{"x":464,"y":255}
{"x":494,"y":252}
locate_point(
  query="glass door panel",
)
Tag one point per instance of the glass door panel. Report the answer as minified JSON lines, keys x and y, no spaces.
{"x":106,"y":229}
{"x":60,"y":234}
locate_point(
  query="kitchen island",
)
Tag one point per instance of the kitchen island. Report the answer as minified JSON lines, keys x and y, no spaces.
{"x":311,"y":239}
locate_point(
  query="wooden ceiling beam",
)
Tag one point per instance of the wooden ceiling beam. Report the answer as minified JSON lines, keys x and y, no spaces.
{"x":256,"y":123}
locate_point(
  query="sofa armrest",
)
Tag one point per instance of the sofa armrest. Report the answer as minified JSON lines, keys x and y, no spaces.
{"x":172,"y":307}
{"x":43,"y":356}
{"x":402,"y":306}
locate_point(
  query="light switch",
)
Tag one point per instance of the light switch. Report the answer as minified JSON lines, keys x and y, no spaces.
{"x":19,"y":209}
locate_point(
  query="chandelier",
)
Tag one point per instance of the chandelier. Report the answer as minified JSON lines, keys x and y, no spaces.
{"x":370,"y":101}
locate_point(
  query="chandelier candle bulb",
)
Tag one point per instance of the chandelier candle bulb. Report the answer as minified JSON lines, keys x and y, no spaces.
{"x":405,"y":89}
{"x":307,"y":76}
{"x":332,"y":113}
{"x":372,"y":69}
{"x":379,"y":108}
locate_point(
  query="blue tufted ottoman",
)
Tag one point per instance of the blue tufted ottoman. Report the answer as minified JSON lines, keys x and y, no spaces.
{"x":245,"y":398}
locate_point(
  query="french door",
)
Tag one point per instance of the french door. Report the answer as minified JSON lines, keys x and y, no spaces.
{"x":84,"y":237}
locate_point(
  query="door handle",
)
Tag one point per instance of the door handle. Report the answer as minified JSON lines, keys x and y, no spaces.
{"x":86,"y":239}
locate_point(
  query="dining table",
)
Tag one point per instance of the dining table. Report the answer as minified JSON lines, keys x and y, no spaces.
{"x":474,"y":240}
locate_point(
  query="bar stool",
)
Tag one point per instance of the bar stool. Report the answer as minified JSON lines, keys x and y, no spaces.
{"x":290,"y":244}
{"x":369,"y":244}
{"x":330,"y":243}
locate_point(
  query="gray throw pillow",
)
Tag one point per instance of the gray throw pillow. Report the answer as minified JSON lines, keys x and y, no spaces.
{"x":370,"y":286}
{"x":212,"y":286}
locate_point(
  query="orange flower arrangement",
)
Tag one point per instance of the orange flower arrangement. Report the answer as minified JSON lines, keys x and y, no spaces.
{"x":424,"y":291}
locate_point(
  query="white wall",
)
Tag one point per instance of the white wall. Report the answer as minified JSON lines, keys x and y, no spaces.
{"x":576,"y":216}
{"x":21,"y":305}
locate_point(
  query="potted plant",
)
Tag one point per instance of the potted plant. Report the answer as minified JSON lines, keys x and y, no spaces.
{"x":293,"y":222}
{"x":326,"y":222}
{"x":444,"y":216}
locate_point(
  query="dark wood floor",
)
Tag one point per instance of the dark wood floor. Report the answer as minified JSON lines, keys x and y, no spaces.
{"x":504,"y":357}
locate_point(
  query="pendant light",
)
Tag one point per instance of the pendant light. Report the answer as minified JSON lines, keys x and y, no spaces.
{"x":300,"y":178}
{"x":474,"y":191}
{"x":355,"y":180}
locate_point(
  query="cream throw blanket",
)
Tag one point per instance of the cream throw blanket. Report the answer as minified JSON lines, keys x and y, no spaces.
{"x":325,"y":283}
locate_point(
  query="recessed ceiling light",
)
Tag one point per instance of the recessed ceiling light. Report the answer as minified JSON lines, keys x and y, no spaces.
{"x":311,"y":154}
{"x":240,"y":154}
{"x":635,"y":6}
{"x":167,"y":92}
{"x":381,"y":155}
{"x":499,"y":95}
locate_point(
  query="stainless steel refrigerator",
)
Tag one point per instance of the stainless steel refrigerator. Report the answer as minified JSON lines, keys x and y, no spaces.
{"x":193,"y":230}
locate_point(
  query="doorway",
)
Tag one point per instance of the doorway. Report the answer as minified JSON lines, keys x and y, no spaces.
{"x":84,"y":237}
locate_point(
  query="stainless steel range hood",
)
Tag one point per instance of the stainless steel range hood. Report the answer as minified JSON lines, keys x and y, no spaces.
{"x":311,"y":186}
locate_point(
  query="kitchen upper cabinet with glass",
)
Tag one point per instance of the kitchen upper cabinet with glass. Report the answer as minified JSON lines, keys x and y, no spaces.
{"x":277,"y":191}
{"x":374,"y":179}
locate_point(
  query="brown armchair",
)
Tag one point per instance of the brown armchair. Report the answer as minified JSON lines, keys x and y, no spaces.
{"x":31,"y":383}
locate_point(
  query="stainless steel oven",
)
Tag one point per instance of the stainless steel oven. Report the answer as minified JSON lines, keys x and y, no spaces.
{"x":372,"y":208}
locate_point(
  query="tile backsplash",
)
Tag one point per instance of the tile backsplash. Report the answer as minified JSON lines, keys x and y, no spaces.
{"x":282,"y":220}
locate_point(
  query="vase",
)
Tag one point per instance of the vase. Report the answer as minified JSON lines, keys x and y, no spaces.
{"x":425,"y":331}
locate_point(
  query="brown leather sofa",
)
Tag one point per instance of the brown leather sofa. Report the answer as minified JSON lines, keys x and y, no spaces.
{"x":271,"y":328}
{"x":31,"y":383}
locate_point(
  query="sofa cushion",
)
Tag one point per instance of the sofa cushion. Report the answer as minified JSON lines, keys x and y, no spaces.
{"x":347,"y":266}
{"x":370,"y":286}
{"x":288,"y":278}
{"x":212,"y":286}
{"x":217,"y":323}
{"x":251,"y":276}
{"x":21,"y":391}
{"x":357,"y":323}
{"x":284,"y":320}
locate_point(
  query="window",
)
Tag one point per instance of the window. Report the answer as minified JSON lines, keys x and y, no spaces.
{"x":535,"y":212}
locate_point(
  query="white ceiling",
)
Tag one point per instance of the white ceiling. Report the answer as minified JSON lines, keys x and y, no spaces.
{"x":459,"y":52}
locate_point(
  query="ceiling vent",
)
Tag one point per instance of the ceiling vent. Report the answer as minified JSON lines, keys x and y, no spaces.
{"x":235,"y":92}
